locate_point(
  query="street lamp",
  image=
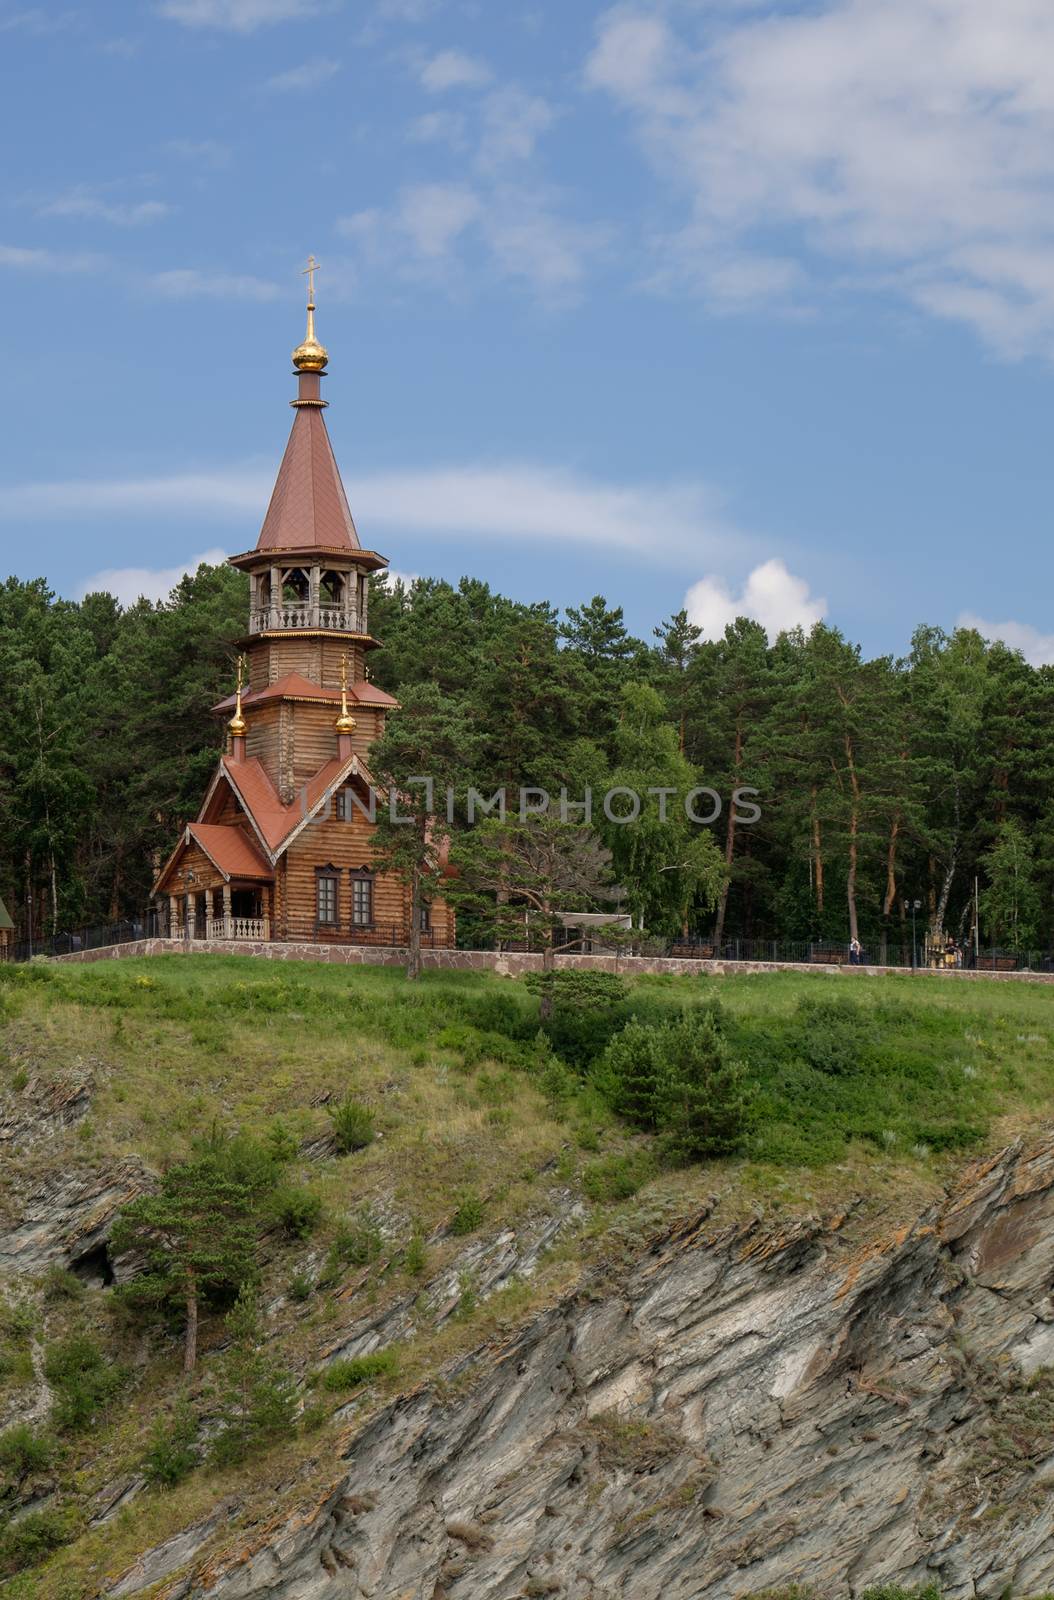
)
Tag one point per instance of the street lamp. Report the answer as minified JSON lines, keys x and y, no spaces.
{"x":913,"y":906}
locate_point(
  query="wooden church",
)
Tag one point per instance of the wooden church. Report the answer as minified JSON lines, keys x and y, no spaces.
{"x":283,"y":848}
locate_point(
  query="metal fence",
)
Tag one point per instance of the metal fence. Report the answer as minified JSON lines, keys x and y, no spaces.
{"x":153,"y":924}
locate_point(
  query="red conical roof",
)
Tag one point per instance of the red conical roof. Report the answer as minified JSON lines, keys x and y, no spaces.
{"x":309,"y":509}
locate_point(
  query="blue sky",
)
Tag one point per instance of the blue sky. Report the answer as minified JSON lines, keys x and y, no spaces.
{"x":752,"y":304}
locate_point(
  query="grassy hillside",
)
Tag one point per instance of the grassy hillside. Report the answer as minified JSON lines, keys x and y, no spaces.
{"x":868,"y":1086}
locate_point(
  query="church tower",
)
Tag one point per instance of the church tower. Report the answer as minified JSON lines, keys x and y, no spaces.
{"x":283,"y":847}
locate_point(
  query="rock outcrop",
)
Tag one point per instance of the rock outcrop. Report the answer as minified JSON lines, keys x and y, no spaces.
{"x":719,"y":1412}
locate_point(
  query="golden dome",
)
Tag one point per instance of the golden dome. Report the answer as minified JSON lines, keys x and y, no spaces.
{"x":310,"y":356}
{"x":238,"y":724}
{"x":345,"y":722}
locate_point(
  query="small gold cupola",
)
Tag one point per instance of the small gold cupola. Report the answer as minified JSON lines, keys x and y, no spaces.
{"x":238,"y":725}
{"x":345,"y":722}
{"x":310,"y":356}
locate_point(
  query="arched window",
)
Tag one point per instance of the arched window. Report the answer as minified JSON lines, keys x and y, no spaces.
{"x":361,"y":898}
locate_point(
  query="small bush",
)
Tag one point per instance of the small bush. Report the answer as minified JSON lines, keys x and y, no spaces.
{"x":469,"y":1214}
{"x":298,"y":1210}
{"x":836,"y":1036}
{"x":257,"y":1396}
{"x":358,"y":1242}
{"x":170,"y":1455}
{"x":341,"y":1376}
{"x":704,"y":1103}
{"x":629,"y":1074}
{"x":26,"y":1542}
{"x":300,"y":1287}
{"x":416,"y":1258}
{"x":22,"y":1451}
{"x":20,"y":1079}
{"x":83,"y":1380}
{"x":616,"y":1177}
{"x":467,"y":1299}
{"x":352,"y":1126}
{"x":282,"y":1143}
{"x":61,"y":1284}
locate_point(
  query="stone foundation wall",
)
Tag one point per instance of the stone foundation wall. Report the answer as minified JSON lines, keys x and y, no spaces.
{"x":514,"y":964}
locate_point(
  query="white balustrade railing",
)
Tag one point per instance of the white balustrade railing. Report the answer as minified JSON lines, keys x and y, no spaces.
{"x":237,"y":927}
{"x":340,"y":618}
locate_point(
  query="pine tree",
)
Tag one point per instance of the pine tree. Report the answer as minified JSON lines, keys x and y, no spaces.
{"x":196,"y":1232}
{"x":703,"y":1101}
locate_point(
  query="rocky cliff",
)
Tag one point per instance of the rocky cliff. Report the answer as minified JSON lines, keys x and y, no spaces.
{"x":713,"y":1413}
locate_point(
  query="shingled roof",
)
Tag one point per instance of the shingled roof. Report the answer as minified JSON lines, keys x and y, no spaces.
{"x":309,"y":509}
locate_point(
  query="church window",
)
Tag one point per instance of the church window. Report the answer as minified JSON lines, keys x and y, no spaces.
{"x":326,"y":896}
{"x":362,"y":899}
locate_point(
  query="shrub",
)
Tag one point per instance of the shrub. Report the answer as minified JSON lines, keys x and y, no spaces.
{"x":61,"y":1284}
{"x":341,"y":1376}
{"x":357,"y":1242}
{"x":83,"y":1380}
{"x":616,"y":1177}
{"x":835,"y":1036}
{"x":703,"y":1099}
{"x":298,"y":1211}
{"x":257,"y":1398}
{"x":22,"y":1451}
{"x":170,"y":1455}
{"x":31,"y":1538}
{"x":630,"y":1073}
{"x":352,"y":1126}
{"x":469,"y":1213}
{"x":416,"y":1258}
{"x":282,"y":1143}
{"x":300,"y":1287}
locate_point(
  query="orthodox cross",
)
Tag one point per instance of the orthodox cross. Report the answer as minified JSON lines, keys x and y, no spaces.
{"x":308,"y":272}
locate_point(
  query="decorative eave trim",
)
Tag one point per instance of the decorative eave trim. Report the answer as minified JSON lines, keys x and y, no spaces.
{"x":203,"y":847}
{"x":223,"y":772}
{"x":268,"y":557}
{"x":350,"y":769}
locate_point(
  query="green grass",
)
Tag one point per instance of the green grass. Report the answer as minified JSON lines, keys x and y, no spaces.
{"x":872,"y":1086}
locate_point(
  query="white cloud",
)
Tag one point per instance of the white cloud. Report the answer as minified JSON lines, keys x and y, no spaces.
{"x":405,"y":578}
{"x":20,"y":258}
{"x":406,"y":10}
{"x":771,"y":595}
{"x":1036,"y":647}
{"x":307,"y":76}
{"x":206,"y":152}
{"x":907,"y":145}
{"x":513,"y":122}
{"x":453,"y":69}
{"x":426,"y":234}
{"x":438,"y":127}
{"x":36,"y":21}
{"x":434,"y":214}
{"x":529,"y":240}
{"x":427,"y":217}
{"x":521,"y":503}
{"x":128,"y":584}
{"x":237,"y":16}
{"x":187,"y":283}
{"x":87,"y":202}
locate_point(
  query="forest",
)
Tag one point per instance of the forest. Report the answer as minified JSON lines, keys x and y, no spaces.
{"x":880,"y":782}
